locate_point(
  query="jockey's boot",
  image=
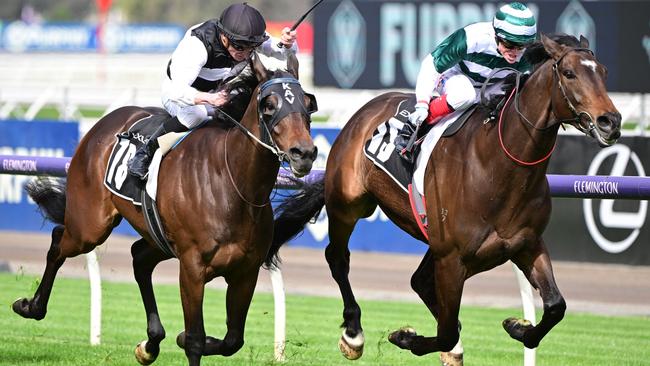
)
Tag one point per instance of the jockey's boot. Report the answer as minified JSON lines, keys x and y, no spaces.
{"x":438,"y":108}
{"x":139,"y":163}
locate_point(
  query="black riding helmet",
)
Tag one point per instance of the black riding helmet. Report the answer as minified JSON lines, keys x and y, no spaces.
{"x":243,"y":24}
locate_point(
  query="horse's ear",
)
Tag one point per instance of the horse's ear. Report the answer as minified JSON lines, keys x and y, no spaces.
{"x":258,"y":67}
{"x":292,"y":64}
{"x":553,"y":48}
{"x":584,"y":42}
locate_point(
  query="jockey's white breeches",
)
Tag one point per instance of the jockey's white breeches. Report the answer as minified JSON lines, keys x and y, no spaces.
{"x":190,"y":115}
{"x":460,"y":91}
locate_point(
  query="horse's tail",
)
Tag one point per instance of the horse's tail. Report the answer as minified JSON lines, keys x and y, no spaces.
{"x":292,"y":216}
{"x":49,"y":195}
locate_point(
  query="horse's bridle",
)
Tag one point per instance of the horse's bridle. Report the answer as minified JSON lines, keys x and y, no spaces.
{"x":577,"y":115}
{"x":282,"y":110}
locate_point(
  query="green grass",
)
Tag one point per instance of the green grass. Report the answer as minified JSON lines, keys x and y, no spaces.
{"x":312,"y":331}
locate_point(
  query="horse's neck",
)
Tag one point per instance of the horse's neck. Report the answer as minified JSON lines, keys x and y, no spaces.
{"x":248,"y":159}
{"x":530,"y":136}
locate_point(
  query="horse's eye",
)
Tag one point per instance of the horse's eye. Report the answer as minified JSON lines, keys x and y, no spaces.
{"x":269,"y":107}
{"x":569,"y":74}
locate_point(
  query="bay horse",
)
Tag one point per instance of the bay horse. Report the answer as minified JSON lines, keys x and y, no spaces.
{"x":487,"y":201}
{"x":213,"y":199}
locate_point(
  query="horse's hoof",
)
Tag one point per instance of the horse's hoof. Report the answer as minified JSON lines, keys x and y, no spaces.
{"x":451,"y":359}
{"x":516,"y":327}
{"x":351,"y":348}
{"x":402,"y":337}
{"x":22,"y":307}
{"x":141,"y":354}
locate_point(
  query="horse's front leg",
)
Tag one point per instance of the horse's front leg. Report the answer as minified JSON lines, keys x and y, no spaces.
{"x":145,"y":259}
{"x":449,"y":276}
{"x":536,"y":265}
{"x":423,"y":283}
{"x":238,"y":298}
{"x":192,"y":283}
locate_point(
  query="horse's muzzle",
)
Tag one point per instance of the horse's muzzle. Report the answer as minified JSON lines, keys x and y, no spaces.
{"x":609,"y":128}
{"x":301,"y":159}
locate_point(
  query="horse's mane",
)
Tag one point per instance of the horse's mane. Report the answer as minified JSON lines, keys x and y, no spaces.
{"x":536,"y":56}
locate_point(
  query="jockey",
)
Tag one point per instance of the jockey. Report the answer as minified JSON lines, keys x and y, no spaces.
{"x":462,"y":62}
{"x":208,"y":54}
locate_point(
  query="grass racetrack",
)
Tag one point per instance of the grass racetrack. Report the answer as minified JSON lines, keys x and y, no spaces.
{"x":62,"y":338}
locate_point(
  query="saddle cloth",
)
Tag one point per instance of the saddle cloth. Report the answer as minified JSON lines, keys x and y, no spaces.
{"x":380,"y":149}
{"x":117,"y":178}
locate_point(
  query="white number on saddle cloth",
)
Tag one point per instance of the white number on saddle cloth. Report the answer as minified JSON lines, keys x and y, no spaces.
{"x":118,"y":170}
{"x":380,"y":148}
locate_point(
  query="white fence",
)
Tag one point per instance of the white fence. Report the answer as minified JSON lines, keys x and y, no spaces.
{"x":106,"y":82}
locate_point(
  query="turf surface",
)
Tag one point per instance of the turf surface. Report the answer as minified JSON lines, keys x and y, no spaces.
{"x":62,"y":338}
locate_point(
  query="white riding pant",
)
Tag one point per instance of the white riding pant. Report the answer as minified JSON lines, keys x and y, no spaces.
{"x":460,"y":91}
{"x":189,"y":115}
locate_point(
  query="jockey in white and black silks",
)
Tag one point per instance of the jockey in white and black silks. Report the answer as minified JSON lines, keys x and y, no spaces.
{"x":208,"y":54}
{"x":456,"y":69}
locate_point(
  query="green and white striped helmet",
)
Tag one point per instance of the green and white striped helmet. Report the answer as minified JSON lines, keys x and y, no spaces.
{"x":515,"y":23}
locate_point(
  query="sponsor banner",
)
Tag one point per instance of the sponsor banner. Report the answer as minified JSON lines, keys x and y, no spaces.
{"x":589,"y":230}
{"x":586,"y":230}
{"x":18,"y":36}
{"x":42,"y":138}
{"x":367,"y":44}
{"x":600,"y":230}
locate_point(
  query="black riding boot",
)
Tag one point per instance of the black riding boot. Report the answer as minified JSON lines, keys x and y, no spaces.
{"x":139,"y":164}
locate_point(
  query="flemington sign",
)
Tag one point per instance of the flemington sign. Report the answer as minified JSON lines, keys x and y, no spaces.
{"x":380,"y":44}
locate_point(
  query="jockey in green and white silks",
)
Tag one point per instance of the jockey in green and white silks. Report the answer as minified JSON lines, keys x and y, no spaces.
{"x":460,"y":64}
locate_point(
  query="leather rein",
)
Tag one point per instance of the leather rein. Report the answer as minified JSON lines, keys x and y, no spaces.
{"x":577,"y":115}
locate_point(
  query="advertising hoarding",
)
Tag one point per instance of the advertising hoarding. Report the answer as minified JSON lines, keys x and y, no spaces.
{"x":367,"y":44}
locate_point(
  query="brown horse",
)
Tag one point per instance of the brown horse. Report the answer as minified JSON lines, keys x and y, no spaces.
{"x":486,"y":204}
{"x":213,"y":201}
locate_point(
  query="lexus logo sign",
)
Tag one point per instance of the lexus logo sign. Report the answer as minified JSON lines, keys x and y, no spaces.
{"x":628,"y":222}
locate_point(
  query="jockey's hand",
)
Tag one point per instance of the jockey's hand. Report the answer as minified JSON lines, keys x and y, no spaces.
{"x":288,"y":37}
{"x":214,"y":99}
{"x":420,"y":114}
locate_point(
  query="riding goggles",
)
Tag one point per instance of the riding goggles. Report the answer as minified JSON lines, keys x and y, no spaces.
{"x":242,"y":45}
{"x":511,"y":46}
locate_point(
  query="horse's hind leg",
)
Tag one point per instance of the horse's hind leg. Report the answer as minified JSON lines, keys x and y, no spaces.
{"x":449,"y":276}
{"x":145,"y":259}
{"x":341,"y":224}
{"x":36,"y":307}
{"x":424,"y":284}
{"x":87,"y":225}
{"x":536,"y":265}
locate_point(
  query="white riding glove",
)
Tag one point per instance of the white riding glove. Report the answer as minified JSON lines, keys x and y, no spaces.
{"x":420,"y":114}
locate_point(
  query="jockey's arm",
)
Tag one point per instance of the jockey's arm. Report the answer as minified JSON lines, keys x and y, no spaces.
{"x":186,"y":63}
{"x":270,"y":46}
{"x":426,"y":82}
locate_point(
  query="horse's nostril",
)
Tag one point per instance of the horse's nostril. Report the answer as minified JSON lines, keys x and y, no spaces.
{"x":609,"y":121}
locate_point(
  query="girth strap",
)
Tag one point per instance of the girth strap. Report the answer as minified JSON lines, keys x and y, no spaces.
{"x":154,"y":224}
